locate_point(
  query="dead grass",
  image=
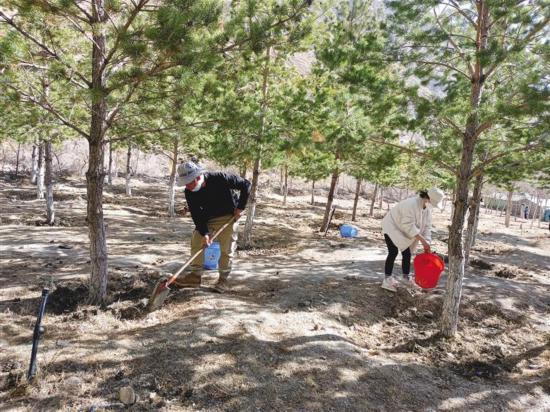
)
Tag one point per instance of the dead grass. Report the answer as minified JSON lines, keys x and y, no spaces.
{"x":305,"y":325}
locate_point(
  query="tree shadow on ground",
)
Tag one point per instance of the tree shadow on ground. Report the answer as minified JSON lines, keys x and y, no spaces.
{"x":197,"y":362}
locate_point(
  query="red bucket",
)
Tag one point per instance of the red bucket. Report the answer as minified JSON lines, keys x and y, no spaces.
{"x":427,"y":269}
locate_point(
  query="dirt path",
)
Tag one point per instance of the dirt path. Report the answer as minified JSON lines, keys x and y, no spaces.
{"x":305,"y":325}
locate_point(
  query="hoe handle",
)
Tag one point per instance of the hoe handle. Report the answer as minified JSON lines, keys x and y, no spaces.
{"x":192,"y":258}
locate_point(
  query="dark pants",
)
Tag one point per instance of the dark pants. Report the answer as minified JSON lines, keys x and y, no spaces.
{"x":392,"y":254}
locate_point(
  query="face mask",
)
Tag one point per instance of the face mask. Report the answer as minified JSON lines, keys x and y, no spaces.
{"x":198,"y":186}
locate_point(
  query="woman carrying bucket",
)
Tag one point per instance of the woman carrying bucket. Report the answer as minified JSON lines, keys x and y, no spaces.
{"x":404,"y":226}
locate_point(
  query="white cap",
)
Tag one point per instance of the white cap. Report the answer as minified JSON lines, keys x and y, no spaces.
{"x":436,"y":197}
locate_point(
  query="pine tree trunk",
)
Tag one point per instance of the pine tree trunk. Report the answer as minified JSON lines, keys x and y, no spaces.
{"x":312,"y":192}
{"x":48,"y":181}
{"x":172,"y":182}
{"x":40,"y":177}
{"x":536,"y":211}
{"x":285,"y":186}
{"x":356,"y":200}
{"x":96,"y":174}
{"x":110,"y":170}
{"x":453,"y":292}
{"x":375,"y":193}
{"x":473,"y":214}
{"x":489,"y":205}
{"x":381,"y":199}
{"x":34,"y":164}
{"x":509,"y":206}
{"x":453,"y":197}
{"x":128,"y":171}
{"x":476,"y":224}
{"x":501,"y":208}
{"x":330,"y":199}
{"x":542,"y":211}
{"x":17,"y":159}
{"x":281,"y":181}
{"x":252,"y":200}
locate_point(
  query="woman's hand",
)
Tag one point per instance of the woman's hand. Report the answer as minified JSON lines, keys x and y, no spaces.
{"x":427,"y":248}
{"x":426,"y":245}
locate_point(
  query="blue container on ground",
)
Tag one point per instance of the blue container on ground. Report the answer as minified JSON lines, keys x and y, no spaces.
{"x":348,"y":231}
{"x":546,"y":217}
{"x":211,"y":256}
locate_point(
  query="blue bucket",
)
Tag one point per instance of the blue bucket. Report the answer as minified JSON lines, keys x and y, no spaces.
{"x":348,"y":231}
{"x":211,"y":256}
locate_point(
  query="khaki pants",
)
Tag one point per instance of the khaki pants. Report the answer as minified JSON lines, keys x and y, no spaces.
{"x":228,"y":245}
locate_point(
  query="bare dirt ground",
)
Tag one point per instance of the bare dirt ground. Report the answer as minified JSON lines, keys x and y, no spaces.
{"x":305,"y":325}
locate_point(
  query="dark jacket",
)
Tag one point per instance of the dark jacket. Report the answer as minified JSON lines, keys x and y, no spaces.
{"x":216,"y":198}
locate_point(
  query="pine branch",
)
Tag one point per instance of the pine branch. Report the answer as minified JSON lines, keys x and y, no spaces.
{"x":111,"y":116}
{"x":455,"y":127}
{"x":455,"y":45}
{"x":35,"y":66}
{"x":530,"y":146}
{"x":83,"y":11}
{"x":278,"y":23}
{"x":167,"y":128}
{"x":41,"y":45}
{"x":137,"y":8}
{"x":482,"y":127}
{"x":413,"y":151}
{"x":48,"y":107}
{"x":442,"y":64}
{"x":519,"y":46}
{"x":455,"y":6}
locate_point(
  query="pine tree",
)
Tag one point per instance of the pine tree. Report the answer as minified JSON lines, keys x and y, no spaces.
{"x":468,"y":53}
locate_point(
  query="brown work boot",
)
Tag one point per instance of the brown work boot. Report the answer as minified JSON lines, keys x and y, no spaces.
{"x":190,"y":280}
{"x":222,"y":283}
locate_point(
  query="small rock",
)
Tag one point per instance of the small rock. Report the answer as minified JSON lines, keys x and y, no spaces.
{"x":127,"y":395}
{"x":4,"y":379}
{"x":534,"y":366}
{"x":147,"y":380}
{"x":73,"y":385}
{"x":311,"y":382}
{"x":427,"y":314}
{"x":62,"y":343}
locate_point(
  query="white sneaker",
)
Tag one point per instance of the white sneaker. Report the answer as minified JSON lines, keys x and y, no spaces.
{"x":390,"y":283}
{"x":411,"y":284}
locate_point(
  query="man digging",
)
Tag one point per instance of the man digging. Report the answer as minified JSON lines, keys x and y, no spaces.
{"x":212,"y":202}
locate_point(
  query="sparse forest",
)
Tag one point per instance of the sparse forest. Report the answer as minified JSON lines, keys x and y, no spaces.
{"x":330,"y":114}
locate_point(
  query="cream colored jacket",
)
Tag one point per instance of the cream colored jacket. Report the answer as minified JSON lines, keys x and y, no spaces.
{"x":407,"y":219}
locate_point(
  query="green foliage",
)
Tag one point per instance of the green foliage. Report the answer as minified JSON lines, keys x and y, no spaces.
{"x":435,"y":43}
